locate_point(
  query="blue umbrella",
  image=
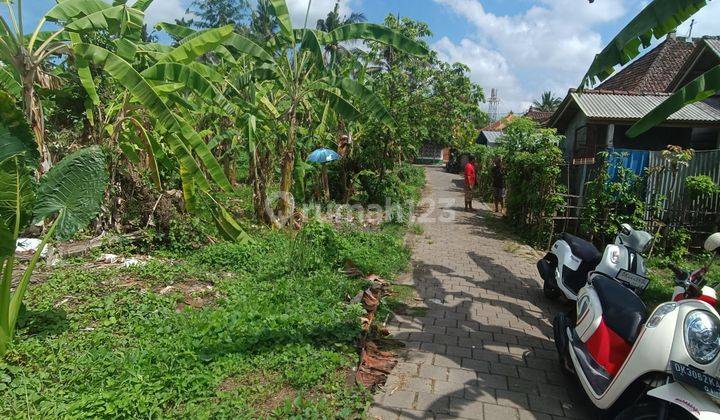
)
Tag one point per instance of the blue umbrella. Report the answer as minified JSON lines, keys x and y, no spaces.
{"x":323,"y":156}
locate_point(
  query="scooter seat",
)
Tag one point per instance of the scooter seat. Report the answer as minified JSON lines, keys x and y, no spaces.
{"x":624,"y":312}
{"x":582,"y":249}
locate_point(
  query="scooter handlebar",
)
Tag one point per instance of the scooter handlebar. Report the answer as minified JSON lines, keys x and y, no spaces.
{"x":680,"y":275}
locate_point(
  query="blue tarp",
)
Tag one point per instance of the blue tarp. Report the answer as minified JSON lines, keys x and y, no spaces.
{"x":636,"y":160}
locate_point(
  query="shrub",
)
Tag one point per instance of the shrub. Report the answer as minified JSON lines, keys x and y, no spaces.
{"x":532,"y":165}
{"x":610,"y":202}
{"x":700,"y":186}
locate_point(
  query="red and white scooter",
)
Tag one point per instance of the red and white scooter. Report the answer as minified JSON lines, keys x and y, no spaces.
{"x":664,"y":366}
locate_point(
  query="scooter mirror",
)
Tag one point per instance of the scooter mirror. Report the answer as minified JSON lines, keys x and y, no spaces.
{"x":626,"y":229}
{"x":712,"y":244}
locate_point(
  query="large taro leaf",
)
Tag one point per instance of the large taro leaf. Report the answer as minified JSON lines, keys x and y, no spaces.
{"x":15,"y":135}
{"x":17,"y":194}
{"x":73,"y":189}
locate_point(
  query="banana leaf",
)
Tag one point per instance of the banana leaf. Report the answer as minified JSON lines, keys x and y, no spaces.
{"x":17,"y":195}
{"x":71,"y":9}
{"x":246,"y":46}
{"x":128,"y":77}
{"x":114,"y":19}
{"x":341,"y":106}
{"x":176,"y":31}
{"x":655,"y":21}
{"x":280,"y":10}
{"x":9,"y":84}
{"x":377,"y":33}
{"x":310,"y":43}
{"x":16,"y":137}
{"x":189,"y":78}
{"x":205,"y":42}
{"x":368,"y":100}
{"x":704,"y":87}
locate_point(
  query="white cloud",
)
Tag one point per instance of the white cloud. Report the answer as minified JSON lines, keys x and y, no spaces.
{"x":318,"y":10}
{"x":489,"y":68}
{"x":548,"y":46}
{"x":165,"y":11}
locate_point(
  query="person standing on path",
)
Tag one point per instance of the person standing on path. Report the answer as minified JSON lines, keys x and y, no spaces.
{"x":470,"y":183}
{"x":498,"y":183}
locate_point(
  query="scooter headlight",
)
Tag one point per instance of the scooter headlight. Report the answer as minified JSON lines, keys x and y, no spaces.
{"x":702,"y":336}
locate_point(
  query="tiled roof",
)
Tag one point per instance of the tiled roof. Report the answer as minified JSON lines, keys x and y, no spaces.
{"x":613,"y":105}
{"x":538,"y":116}
{"x":654,"y":71}
{"x":500,"y":124}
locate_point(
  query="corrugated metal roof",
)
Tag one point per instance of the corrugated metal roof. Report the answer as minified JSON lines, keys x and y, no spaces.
{"x":492,"y":136}
{"x":618,"y":106}
{"x":713,"y":44}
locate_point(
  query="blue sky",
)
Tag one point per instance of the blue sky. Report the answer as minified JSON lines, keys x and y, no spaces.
{"x":520,"y":47}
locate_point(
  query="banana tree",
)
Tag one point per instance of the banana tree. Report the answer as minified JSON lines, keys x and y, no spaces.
{"x":26,"y":60}
{"x":68,"y":196}
{"x":301,"y":75}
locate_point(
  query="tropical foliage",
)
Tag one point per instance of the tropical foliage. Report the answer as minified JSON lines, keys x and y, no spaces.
{"x":194,"y":139}
{"x":68,"y":196}
{"x":548,"y":102}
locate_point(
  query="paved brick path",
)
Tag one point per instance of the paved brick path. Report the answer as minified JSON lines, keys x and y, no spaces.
{"x":484,"y":348}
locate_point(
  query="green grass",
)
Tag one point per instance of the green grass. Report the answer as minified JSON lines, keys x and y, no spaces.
{"x":662,"y":279}
{"x":230,"y":331}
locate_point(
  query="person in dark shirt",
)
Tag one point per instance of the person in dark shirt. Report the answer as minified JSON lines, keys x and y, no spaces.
{"x":498,"y":184}
{"x":470,"y":183}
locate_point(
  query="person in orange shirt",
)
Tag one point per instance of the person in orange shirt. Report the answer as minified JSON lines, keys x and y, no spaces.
{"x":470,"y":183}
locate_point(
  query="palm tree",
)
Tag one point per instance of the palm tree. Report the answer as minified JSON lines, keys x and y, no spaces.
{"x":263,"y":23}
{"x":335,"y":50}
{"x":547,"y":102}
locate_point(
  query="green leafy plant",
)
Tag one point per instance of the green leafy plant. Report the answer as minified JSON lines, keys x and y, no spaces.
{"x":700,"y":186}
{"x":68,"y":196}
{"x":532,"y":166}
{"x":611,"y":202}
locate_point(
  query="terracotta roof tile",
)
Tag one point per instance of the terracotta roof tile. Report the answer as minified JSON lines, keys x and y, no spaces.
{"x":538,"y":116}
{"x":500,"y":124}
{"x":654,"y":71}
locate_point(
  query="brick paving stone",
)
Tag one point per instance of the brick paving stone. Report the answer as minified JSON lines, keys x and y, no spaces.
{"x":399,"y":399}
{"x":467,"y":409}
{"x":486,"y":349}
{"x":501,"y":412}
{"x":433,"y":372}
{"x":461,"y":375}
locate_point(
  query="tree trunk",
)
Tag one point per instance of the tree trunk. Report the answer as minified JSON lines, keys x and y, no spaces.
{"x":288,"y":164}
{"x":36,"y":119}
{"x":258,"y":180}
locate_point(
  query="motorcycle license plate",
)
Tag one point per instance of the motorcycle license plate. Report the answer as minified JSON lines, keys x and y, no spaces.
{"x":697,"y":378}
{"x":633,"y":280}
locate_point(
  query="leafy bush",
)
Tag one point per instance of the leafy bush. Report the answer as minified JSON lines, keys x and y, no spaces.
{"x":532,"y":165}
{"x":700,"y":186}
{"x":610,"y":202}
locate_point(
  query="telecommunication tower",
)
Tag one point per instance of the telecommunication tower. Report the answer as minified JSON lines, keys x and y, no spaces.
{"x":494,"y":105}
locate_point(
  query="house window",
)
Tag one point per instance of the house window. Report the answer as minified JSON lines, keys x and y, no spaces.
{"x":585,"y":145}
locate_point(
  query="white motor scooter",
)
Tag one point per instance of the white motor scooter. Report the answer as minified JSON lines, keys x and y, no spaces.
{"x":565,"y":268}
{"x":658,"y":367}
